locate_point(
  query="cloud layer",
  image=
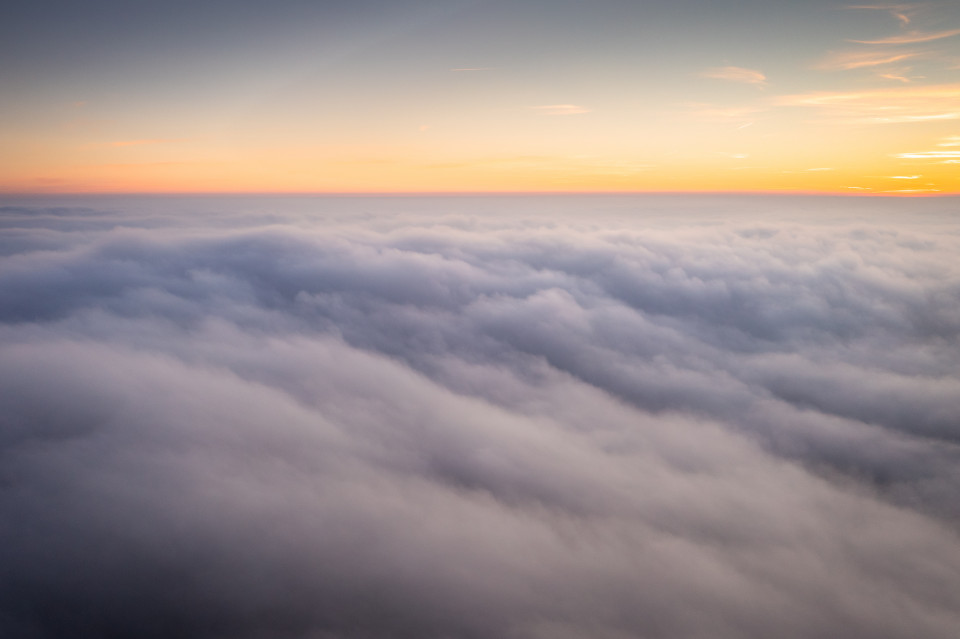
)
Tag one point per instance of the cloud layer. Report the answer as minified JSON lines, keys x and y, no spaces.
{"x":521,"y":418}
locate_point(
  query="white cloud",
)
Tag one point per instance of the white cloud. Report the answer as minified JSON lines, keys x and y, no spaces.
{"x":736,"y":74}
{"x":902,"y":12}
{"x":913,"y":37}
{"x":872,"y":58}
{"x":480,"y":417}
{"x":882,"y":106}
{"x":929,"y":155}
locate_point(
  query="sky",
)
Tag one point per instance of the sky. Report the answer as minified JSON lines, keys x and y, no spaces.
{"x":479,"y":96}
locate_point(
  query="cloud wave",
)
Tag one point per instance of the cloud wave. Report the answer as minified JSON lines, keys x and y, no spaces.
{"x":521,"y":418}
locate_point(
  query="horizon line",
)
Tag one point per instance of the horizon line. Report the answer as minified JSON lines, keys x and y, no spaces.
{"x":485,"y":193}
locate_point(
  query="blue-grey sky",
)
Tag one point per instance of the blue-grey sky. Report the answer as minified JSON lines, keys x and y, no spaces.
{"x":479,"y":95}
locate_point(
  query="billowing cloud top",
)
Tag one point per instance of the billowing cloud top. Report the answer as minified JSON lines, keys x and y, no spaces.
{"x":481,"y":418}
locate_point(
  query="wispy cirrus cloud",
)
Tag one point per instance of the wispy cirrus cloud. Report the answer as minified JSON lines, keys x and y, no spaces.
{"x":561,"y":109}
{"x":928,"y":155}
{"x":736,"y":74}
{"x":913,"y":37}
{"x":846,"y":60}
{"x":883,"y":106}
{"x":899,"y":76}
{"x":937,"y":156}
{"x":902,"y":12}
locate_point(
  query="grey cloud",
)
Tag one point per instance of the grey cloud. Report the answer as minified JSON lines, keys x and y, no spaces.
{"x":479,"y":418}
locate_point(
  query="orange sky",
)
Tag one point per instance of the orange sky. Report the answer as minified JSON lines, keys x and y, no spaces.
{"x":485,"y":96}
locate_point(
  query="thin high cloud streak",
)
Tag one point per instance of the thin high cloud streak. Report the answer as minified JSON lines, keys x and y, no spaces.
{"x":902,"y":12}
{"x":882,"y":106}
{"x":913,"y":37}
{"x":847,"y":60}
{"x":736,"y":74}
{"x":516,"y":418}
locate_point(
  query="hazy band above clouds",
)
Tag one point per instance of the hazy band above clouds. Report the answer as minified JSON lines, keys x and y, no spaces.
{"x":480,"y":418}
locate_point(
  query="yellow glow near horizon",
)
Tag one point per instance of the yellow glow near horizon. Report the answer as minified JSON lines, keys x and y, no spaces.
{"x":854,"y":119}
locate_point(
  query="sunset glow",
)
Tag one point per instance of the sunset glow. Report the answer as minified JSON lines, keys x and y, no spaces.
{"x":482,"y":96}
